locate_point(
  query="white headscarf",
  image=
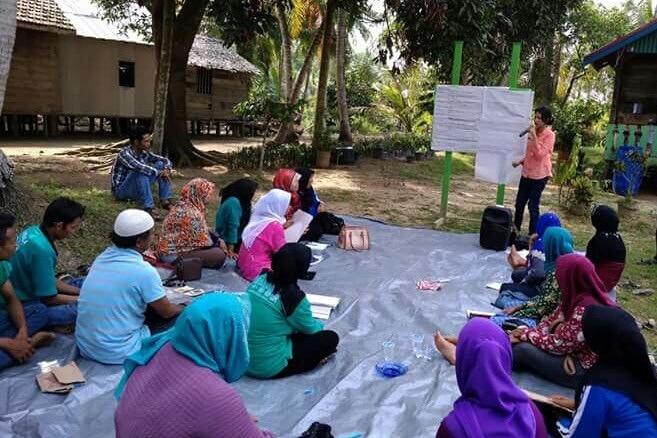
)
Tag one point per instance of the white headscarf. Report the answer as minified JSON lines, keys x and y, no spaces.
{"x":270,"y":208}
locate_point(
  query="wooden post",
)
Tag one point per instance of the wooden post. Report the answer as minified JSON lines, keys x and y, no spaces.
{"x":447,"y":172}
{"x":14,"y":125}
{"x":92,"y":124}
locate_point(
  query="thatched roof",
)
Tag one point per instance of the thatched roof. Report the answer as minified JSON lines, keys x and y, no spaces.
{"x":42,"y":14}
{"x":211,"y":53}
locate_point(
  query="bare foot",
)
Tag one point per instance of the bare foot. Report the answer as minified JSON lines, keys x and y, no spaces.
{"x":447,"y":349}
{"x":451,"y":339}
{"x":323,"y":361}
{"x":42,"y":339}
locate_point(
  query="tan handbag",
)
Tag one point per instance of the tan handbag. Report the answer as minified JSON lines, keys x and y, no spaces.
{"x":354,"y":239}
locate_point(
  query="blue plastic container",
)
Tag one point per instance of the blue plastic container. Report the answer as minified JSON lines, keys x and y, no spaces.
{"x":631,"y":175}
{"x":390,"y":370}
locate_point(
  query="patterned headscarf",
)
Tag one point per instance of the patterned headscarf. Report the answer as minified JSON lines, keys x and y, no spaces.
{"x":284,"y":180}
{"x":185,"y":229}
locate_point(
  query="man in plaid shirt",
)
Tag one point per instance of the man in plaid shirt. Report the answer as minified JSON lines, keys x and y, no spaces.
{"x":136,"y":169}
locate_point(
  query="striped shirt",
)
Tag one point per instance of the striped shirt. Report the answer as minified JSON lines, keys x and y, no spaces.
{"x":128,"y":160}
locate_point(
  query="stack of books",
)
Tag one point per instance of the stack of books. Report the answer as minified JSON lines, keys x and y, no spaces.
{"x":322,"y":305}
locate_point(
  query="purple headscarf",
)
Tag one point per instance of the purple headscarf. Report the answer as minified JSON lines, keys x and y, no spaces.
{"x":491,"y":404}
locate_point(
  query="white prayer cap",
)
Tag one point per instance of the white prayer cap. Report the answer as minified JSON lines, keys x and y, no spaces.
{"x":133,"y":222}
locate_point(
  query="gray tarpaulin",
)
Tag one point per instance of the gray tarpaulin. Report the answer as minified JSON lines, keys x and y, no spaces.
{"x":379,"y":301}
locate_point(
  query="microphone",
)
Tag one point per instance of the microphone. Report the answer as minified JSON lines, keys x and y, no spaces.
{"x":525,"y":132}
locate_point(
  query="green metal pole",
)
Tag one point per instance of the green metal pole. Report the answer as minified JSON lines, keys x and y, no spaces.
{"x":447,"y":173}
{"x":514,"y":72}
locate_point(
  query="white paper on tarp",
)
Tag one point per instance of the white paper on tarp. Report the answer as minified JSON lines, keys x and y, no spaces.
{"x":300,"y":220}
{"x":472,"y":119}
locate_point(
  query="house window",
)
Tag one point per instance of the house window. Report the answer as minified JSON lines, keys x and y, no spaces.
{"x":126,"y":74}
{"x":203,"y":80}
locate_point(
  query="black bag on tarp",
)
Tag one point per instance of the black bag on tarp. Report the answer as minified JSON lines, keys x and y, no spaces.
{"x":496,"y":227}
{"x":317,"y":430}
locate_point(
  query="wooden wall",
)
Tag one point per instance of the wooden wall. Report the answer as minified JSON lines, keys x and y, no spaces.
{"x":228,"y":89}
{"x":90,"y":79}
{"x":33,"y":83}
{"x":636,"y":81}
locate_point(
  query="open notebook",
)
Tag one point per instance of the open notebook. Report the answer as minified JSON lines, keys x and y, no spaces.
{"x":322,"y":305}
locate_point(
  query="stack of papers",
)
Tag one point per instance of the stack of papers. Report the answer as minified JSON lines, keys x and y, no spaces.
{"x":300,"y":221}
{"x":322,"y":305}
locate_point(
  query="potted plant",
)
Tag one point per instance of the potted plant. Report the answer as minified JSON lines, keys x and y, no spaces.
{"x":323,"y":156}
{"x":420,"y":153}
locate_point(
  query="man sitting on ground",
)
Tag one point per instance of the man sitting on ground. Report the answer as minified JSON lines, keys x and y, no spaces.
{"x":117,"y":291}
{"x":19,"y":327}
{"x":136,"y":168}
{"x":35,"y":261}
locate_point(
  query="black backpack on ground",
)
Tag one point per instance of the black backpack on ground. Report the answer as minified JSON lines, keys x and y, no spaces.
{"x":496,"y":228}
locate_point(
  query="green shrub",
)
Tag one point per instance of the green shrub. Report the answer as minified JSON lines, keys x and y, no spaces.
{"x":579,"y":196}
{"x":284,"y":155}
{"x":400,"y":143}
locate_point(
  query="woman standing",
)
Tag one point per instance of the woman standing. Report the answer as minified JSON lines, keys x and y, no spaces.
{"x":185,"y":231}
{"x":234,"y":213}
{"x":284,"y":338}
{"x":264,"y":235}
{"x":536,"y":167}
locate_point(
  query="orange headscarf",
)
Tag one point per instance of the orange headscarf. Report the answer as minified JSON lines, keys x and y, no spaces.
{"x":284,"y":180}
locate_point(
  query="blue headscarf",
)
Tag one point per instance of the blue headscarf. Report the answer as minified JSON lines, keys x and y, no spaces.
{"x":211,"y":332}
{"x":557,"y":242}
{"x":545,"y":221}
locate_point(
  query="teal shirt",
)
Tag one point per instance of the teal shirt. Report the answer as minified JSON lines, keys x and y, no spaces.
{"x":227,"y":221}
{"x":5,"y":272}
{"x":270,"y":345}
{"x":33,"y":266}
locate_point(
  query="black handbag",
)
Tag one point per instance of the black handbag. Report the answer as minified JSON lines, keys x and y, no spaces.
{"x":317,"y":430}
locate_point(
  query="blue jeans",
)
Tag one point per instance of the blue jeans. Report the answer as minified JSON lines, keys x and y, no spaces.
{"x":36,"y":317}
{"x":137,"y":186}
{"x":62,"y":314}
{"x":529,"y":190}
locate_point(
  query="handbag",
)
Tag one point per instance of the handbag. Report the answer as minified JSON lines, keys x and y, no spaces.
{"x":354,"y":239}
{"x":189,"y":268}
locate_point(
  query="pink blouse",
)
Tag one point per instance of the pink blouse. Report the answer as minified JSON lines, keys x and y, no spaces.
{"x":537,"y":163}
{"x":252,"y":261}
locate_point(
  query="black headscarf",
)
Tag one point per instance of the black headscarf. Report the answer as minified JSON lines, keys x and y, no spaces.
{"x":243,"y":189}
{"x":306,"y":192}
{"x":290,"y":264}
{"x":623,"y":364}
{"x":607,"y":244}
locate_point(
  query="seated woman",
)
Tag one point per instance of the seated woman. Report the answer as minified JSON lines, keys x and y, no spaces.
{"x":288,"y":180}
{"x":606,"y":248}
{"x":284,"y":338}
{"x":555,"y":349}
{"x":323,"y":222}
{"x":184,"y":230}
{"x":264,"y":235}
{"x":234,"y":213}
{"x":557,"y":242}
{"x":616,"y":397}
{"x":521,"y":266}
{"x":183,"y":376}
{"x":491,"y":404}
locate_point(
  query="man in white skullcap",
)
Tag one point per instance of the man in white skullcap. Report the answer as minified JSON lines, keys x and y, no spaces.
{"x":118,"y":290}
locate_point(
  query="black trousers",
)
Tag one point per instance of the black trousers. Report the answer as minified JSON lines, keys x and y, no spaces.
{"x":529,"y":191}
{"x":308,"y":351}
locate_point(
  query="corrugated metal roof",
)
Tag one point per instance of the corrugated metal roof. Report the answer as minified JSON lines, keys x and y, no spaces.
{"x":42,"y":13}
{"x":641,"y":40}
{"x":87,"y":20}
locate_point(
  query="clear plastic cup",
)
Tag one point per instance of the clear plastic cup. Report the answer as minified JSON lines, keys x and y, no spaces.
{"x":418,"y":345}
{"x":388,"y":351}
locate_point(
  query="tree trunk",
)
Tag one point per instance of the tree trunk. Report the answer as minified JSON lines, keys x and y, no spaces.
{"x":8,"y":193}
{"x":341,"y":59}
{"x":176,"y":141}
{"x":163,"y":74}
{"x":324,"y":63}
{"x":286,"y":52}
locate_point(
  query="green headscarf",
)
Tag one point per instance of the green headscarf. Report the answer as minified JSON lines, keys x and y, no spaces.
{"x":556,"y":242}
{"x":211,"y":332}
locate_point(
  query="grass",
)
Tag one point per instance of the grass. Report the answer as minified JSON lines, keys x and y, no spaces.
{"x":638,"y":231}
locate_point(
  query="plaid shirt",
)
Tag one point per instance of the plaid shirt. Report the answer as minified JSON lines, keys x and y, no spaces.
{"x":129,"y":161}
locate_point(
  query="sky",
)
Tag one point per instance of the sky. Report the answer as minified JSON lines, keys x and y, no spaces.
{"x":361,"y":45}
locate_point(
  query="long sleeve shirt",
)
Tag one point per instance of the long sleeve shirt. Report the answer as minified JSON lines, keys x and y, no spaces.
{"x":128,"y":160}
{"x":566,"y":338}
{"x":227,"y":220}
{"x":544,"y":304}
{"x":604,"y":410}
{"x":537,"y":163}
{"x":172,"y":397}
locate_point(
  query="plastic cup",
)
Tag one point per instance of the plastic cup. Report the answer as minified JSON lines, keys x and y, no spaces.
{"x":388,"y":351}
{"x":418,"y":345}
